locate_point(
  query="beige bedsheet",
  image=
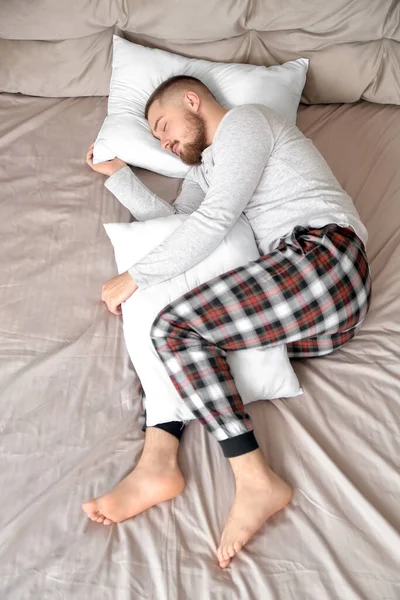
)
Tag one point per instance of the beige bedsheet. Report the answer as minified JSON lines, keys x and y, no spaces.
{"x":71,"y":419}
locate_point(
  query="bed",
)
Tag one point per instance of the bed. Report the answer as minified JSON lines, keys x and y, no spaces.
{"x":71,"y":415}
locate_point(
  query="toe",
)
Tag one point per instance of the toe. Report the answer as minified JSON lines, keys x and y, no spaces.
{"x":222,"y":557}
{"x":231,"y":552}
{"x":93,"y":516}
{"x":107,"y":522}
{"x":90,"y":506}
{"x":100,"y":518}
{"x":224,"y":563}
{"x":225,"y":554}
{"x":237,"y":546}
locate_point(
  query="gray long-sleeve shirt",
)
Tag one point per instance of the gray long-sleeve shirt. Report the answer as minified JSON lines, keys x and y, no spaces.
{"x":258,"y":164}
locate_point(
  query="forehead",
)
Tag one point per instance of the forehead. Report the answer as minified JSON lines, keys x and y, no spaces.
{"x":159,"y":109}
{"x":156,"y":111}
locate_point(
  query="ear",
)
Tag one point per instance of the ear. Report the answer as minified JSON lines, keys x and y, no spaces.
{"x":192,"y":101}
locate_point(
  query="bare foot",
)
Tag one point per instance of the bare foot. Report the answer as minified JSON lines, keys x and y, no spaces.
{"x":259,"y":494}
{"x":144,"y":487}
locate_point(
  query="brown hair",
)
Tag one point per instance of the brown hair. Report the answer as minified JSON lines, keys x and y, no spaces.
{"x":170,"y":85}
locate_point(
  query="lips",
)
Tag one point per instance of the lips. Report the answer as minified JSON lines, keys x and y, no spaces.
{"x":175,"y":148}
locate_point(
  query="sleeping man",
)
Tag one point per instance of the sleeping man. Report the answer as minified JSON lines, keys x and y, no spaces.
{"x":310,"y":289}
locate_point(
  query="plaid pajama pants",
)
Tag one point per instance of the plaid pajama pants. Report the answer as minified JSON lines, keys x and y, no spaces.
{"x":311,"y":293}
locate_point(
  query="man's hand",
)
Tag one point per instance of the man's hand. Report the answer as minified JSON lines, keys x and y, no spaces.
{"x":117,"y":290}
{"x":109,"y":167}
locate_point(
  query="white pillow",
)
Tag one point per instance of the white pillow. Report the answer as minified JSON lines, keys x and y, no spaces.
{"x":259,"y":373}
{"x":137,"y":71}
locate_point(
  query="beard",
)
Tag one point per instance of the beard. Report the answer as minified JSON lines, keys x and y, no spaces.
{"x":191,"y":151}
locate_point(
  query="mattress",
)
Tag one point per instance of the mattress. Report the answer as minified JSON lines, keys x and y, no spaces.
{"x":70,"y":406}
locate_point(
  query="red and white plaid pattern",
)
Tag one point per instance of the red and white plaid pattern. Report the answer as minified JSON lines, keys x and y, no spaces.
{"x":312,"y":293}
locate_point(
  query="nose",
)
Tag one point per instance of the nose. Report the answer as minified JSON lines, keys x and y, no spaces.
{"x":165,"y":143}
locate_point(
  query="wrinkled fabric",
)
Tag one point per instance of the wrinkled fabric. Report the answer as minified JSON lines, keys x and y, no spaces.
{"x":70,"y":425}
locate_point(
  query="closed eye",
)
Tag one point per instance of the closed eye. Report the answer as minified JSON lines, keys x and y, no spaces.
{"x":165,"y":127}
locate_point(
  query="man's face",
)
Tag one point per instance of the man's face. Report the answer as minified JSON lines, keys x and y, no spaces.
{"x":179,"y":130}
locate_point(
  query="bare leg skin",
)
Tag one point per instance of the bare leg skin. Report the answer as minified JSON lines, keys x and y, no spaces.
{"x":155,"y":479}
{"x":259,"y":494}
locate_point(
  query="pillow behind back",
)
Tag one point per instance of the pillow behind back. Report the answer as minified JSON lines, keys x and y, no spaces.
{"x":137,"y":71}
{"x":259,"y":373}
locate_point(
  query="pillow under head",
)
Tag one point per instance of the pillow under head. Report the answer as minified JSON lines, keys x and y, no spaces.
{"x":137,"y":71}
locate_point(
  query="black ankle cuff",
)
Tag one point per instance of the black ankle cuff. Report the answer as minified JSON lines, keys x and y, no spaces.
{"x":240,"y":444}
{"x":175,"y":428}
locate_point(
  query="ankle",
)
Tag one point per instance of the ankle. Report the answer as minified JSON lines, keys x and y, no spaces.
{"x":250,"y":466}
{"x":160,"y":448}
{"x":158,"y":460}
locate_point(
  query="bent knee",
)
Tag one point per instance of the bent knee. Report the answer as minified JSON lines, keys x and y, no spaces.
{"x":163,"y":324}
{"x":158,"y":328}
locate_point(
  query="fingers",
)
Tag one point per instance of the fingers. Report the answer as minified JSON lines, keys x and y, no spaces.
{"x":116,"y":310}
{"x":114,"y":293}
{"x":89,"y":156}
{"x":112,"y":307}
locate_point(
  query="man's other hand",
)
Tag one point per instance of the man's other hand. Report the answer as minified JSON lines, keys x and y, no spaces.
{"x":109,"y":167}
{"x":117,"y":290}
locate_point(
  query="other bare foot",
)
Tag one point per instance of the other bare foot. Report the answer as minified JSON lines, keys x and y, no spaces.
{"x":259,"y":494}
{"x":144,"y":487}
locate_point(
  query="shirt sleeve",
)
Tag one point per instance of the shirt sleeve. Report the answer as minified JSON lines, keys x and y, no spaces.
{"x":190,"y":197}
{"x":241,"y":150}
{"x":143,"y":204}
